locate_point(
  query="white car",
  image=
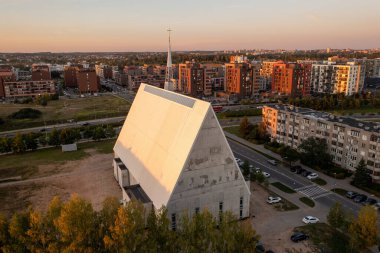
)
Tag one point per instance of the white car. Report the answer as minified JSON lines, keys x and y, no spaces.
{"x":312,"y":176}
{"x":310,"y":219}
{"x":239,"y":161}
{"x":266,"y":174}
{"x":273,"y":200}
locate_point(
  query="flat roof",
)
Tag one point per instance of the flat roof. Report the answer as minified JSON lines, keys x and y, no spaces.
{"x":135,"y":192}
{"x":364,"y":125}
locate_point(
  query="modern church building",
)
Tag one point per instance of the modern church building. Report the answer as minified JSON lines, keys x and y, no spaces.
{"x":172,"y":152}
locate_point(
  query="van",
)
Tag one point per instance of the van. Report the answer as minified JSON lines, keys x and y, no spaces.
{"x":273,"y":162}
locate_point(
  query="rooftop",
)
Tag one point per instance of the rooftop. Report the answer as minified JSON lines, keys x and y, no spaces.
{"x":364,"y":125}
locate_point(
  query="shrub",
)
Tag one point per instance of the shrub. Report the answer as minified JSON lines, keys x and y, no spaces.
{"x":26,"y":113}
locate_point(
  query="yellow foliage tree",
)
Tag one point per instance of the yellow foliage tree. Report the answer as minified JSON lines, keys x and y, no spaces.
{"x":363,"y":230}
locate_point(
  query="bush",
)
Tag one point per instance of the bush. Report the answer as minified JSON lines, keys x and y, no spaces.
{"x":307,"y":201}
{"x":282,"y":187}
{"x":26,"y":113}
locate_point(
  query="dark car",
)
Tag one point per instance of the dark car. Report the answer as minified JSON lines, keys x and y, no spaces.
{"x":360,"y":198}
{"x":351,"y":195}
{"x":295,"y":168}
{"x":299,"y":236}
{"x":306,"y":173}
{"x":259,"y":247}
{"x":369,"y":201}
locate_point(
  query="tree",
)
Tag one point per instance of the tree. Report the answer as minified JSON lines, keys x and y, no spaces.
{"x":245,"y":169}
{"x":336,"y":216}
{"x":363,"y":230}
{"x":54,"y":138}
{"x":99,"y":133}
{"x":313,"y":152}
{"x":109,"y":132}
{"x":362,"y":178}
{"x":18,"y":145}
{"x":6,"y":145}
{"x":68,"y":136}
{"x":245,"y":127}
{"x":26,"y":113}
{"x":30,"y":141}
{"x":76,"y":225}
{"x":288,"y":154}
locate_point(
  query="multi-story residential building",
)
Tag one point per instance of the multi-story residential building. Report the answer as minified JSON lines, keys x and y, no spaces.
{"x":134,"y":81}
{"x":331,"y":78}
{"x":41,"y":72}
{"x":348,"y":140}
{"x":88,"y":81}
{"x":192,"y":79}
{"x":28,"y":88}
{"x":7,"y":74}
{"x":70,"y":75}
{"x":266,"y":74}
{"x":23,"y":75}
{"x":103,"y":71}
{"x":214,"y":78}
{"x":239,"y":79}
{"x":282,"y":77}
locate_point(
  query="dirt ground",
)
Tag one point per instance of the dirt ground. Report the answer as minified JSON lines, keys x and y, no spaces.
{"x":274,"y":227}
{"x":91,"y":178}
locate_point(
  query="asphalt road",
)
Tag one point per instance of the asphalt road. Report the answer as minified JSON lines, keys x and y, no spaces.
{"x":297,"y":182}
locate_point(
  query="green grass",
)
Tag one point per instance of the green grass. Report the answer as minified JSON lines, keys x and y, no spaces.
{"x":282,"y":187}
{"x":319,"y":181}
{"x":324,"y":236}
{"x":233,"y":130}
{"x":26,"y":164}
{"x":60,"y":111}
{"x":340,"y":191}
{"x":240,"y":113}
{"x":307,"y":201}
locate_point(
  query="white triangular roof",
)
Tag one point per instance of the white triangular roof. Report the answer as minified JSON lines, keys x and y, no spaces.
{"x":157,"y":137}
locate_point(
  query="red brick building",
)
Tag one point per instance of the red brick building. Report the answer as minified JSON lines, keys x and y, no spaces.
{"x":88,"y":81}
{"x":6,"y":75}
{"x":70,"y":75}
{"x":40,"y":72}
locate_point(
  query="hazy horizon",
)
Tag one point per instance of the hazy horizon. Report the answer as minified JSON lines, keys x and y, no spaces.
{"x":30,"y":26}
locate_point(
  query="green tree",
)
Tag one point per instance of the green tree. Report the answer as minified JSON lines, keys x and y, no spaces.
{"x":336,"y":216}
{"x":109,"y":131}
{"x":362,"y":178}
{"x":288,"y":154}
{"x":76,"y":225}
{"x":30,"y":141}
{"x":363,"y":230}
{"x":18,"y":145}
{"x":99,"y":133}
{"x":245,"y":127}
{"x":245,"y":169}
{"x":313,"y":152}
{"x":68,"y":136}
{"x":6,"y":145}
{"x":54,"y":138}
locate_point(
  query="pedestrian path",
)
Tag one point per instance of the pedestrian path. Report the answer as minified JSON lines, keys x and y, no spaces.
{"x":313,"y":191}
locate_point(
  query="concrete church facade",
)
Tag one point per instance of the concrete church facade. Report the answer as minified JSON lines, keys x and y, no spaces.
{"x":172,"y":152}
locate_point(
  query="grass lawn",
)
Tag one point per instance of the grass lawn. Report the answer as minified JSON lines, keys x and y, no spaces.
{"x":326,"y":237}
{"x":363,"y":110}
{"x":319,"y":181}
{"x":307,"y":201}
{"x":340,"y":191}
{"x":233,"y":130}
{"x":282,"y":187}
{"x":26,"y":164}
{"x":64,"y":109}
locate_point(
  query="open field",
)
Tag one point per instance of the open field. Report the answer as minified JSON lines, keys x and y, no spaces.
{"x":64,"y":109}
{"x":87,"y":172}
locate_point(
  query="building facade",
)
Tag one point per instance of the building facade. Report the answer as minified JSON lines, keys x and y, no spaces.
{"x":191,"y":80}
{"x":88,"y":81}
{"x":239,"y":79}
{"x":29,"y":88}
{"x":70,"y":75}
{"x":348,"y":140}
{"x":41,"y":72}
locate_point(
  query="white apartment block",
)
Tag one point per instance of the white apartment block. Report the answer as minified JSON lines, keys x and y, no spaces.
{"x":348,"y":139}
{"x":331,"y":79}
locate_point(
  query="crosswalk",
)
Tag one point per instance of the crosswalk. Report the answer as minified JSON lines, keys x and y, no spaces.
{"x":313,"y":191}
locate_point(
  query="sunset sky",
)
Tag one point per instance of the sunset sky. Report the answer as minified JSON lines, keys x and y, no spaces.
{"x":139,"y":25}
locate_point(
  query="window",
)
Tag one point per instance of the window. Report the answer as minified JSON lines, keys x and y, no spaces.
{"x":174,"y":223}
{"x":241,"y":208}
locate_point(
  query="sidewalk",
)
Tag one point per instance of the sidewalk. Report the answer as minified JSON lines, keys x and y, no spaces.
{"x":331,"y":182}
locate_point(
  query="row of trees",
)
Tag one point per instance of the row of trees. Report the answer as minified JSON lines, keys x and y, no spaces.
{"x":75,"y":226}
{"x":336,"y":101}
{"x":253,"y":132}
{"x":362,"y":230}
{"x":23,"y":142}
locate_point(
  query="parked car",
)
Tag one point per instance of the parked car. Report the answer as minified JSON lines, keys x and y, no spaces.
{"x":266,"y":174}
{"x":369,"y":202}
{"x":360,"y":198}
{"x":273,"y":162}
{"x":299,"y":236}
{"x":273,"y":200}
{"x":312,"y":176}
{"x":351,"y":195}
{"x":310,"y":219}
{"x":295,"y":168}
{"x":260,"y":247}
{"x":306,"y":173}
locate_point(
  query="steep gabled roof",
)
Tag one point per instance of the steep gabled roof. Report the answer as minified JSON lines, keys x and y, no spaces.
{"x":157,"y":137}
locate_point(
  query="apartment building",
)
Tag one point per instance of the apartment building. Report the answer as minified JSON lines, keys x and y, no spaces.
{"x":266,"y":72}
{"x":88,"y":81}
{"x":41,"y":72}
{"x":7,"y":74}
{"x":28,"y":88}
{"x":348,"y":140}
{"x":214,"y":78}
{"x":191,"y":80}
{"x":70,"y":75}
{"x":331,"y":78}
{"x":239,"y":79}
